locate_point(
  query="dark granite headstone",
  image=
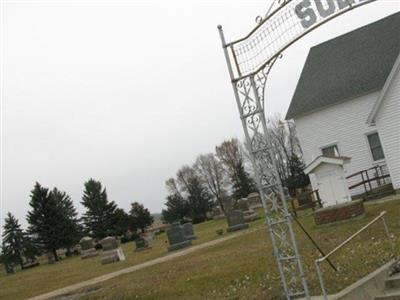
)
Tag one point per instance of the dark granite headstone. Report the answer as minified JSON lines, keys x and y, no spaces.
{"x":176,"y":237}
{"x":141,"y":244}
{"x":188,"y":230}
{"x":236,"y":220}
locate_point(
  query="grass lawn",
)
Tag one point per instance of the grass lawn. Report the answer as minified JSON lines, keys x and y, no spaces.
{"x":241,"y":268}
{"x":46,"y":278}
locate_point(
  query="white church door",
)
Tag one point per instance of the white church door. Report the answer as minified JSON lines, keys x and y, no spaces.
{"x":332,"y":185}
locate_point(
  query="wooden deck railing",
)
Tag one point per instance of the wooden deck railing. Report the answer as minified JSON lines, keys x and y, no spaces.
{"x":366,"y":178}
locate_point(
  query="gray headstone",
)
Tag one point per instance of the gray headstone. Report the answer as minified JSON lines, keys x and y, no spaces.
{"x":176,"y":237}
{"x":188,"y":231}
{"x":86,"y":243}
{"x":141,"y":244}
{"x":236,"y":220}
{"x":111,"y":256}
{"x":250,"y":215}
{"x":254,"y":200}
{"x":242,"y":204}
{"x":92,"y":252}
{"x":87,"y":248}
{"x":109,"y":243}
{"x":111,"y":251}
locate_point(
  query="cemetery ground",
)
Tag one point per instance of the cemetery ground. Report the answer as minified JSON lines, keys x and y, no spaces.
{"x":240,"y":268}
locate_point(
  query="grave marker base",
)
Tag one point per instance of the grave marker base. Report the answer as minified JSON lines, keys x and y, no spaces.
{"x":181,"y":245}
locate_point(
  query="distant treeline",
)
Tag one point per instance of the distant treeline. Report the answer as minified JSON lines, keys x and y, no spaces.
{"x":227,"y":175}
{"x":54,"y":223}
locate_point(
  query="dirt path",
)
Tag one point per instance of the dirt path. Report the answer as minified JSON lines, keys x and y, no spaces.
{"x":72,"y":288}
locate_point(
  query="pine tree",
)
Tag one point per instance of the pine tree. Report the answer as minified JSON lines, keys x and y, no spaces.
{"x":140,"y":217}
{"x":13,"y":241}
{"x":99,"y":219}
{"x":195,"y":193}
{"x":177,"y":208}
{"x":242,"y":183}
{"x":297,"y":178}
{"x":46,"y":220}
{"x":199,"y":199}
{"x":70,"y":230}
{"x":121,"y":222}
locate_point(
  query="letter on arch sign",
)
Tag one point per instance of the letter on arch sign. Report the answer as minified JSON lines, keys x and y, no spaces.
{"x":292,"y":20}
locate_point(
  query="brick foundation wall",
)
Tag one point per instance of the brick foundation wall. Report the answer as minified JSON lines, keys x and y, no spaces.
{"x":339,"y":212}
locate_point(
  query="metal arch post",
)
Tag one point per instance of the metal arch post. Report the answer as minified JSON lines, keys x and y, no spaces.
{"x":270,"y":188}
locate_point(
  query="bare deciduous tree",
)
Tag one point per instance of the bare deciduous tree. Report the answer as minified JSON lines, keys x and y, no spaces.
{"x":231,"y":156}
{"x":287,"y":152}
{"x":212,"y":172}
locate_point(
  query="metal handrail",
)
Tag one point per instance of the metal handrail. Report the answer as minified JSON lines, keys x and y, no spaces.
{"x":322,"y":259}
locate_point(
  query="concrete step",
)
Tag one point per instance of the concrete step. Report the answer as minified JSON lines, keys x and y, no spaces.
{"x":393,"y":282}
{"x":390,"y":294}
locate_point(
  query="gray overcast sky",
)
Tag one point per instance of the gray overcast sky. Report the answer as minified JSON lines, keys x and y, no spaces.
{"x":127,"y":91}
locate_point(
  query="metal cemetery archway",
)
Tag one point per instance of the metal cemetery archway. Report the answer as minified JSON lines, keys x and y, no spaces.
{"x":249,"y":61}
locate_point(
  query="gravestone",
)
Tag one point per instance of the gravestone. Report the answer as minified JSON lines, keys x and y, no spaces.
{"x":30,"y":263}
{"x":111,"y":251}
{"x":141,"y":244}
{"x":248,"y":213}
{"x":87,"y":248}
{"x":188,"y":230}
{"x":10,"y":268}
{"x":176,"y":237}
{"x":236,"y":220}
{"x":254,"y":200}
{"x":242,"y":204}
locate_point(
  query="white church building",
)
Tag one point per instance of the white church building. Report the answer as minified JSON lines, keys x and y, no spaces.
{"x":347,"y":101}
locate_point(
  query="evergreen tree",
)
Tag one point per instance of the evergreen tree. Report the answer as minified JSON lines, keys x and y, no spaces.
{"x":199,"y":200}
{"x":140,"y":217}
{"x":177,"y":208}
{"x":196,"y":193}
{"x":13,"y":241}
{"x":297,"y":178}
{"x":99,"y":219}
{"x":242,"y":183}
{"x":70,"y":229}
{"x":46,"y":220}
{"x":121,"y":222}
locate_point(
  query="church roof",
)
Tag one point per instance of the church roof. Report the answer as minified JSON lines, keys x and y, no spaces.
{"x":348,"y":66}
